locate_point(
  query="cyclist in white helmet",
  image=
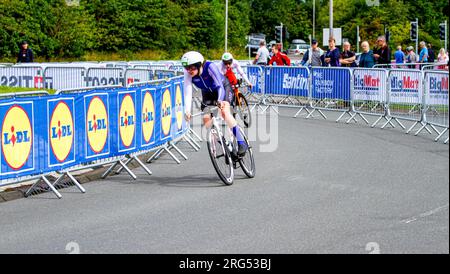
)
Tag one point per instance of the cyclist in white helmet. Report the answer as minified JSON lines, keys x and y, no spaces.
{"x":205,"y":75}
{"x":228,"y":62}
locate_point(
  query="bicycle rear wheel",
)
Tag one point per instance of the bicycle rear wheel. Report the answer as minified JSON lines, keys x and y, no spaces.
{"x":247,"y":161}
{"x":243,"y":110}
{"x":220,"y":156}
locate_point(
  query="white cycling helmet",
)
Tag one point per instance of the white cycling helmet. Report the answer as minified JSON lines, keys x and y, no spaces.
{"x":227,"y":57}
{"x":192,"y":58}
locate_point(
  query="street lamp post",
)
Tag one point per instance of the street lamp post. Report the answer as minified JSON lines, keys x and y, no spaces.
{"x":314,"y":20}
{"x":226,"y":25}
{"x":331,"y":19}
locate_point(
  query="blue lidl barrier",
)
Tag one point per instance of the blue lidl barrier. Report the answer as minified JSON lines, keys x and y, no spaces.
{"x":45,"y":134}
{"x":178,"y":108}
{"x":60,"y":140}
{"x":290,"y":81}
{"x":331,"y":83}
{"x":20,"y":131}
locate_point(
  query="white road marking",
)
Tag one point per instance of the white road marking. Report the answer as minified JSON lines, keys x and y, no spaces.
{"x":425,"y":214}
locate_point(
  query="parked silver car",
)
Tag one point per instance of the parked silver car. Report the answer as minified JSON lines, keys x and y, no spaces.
{"x":298,"y":47}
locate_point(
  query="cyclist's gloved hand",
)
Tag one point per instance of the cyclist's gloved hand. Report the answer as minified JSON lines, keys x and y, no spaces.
{"x":187,"y":116}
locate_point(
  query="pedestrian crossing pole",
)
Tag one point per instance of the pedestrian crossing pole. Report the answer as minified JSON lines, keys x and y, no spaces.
{"x":417,"y":36}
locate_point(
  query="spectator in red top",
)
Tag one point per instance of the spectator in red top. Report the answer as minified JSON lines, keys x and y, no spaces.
{"x":279,"y":58}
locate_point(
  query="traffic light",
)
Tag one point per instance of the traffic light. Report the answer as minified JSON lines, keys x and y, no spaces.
{"x":413,"y":31}
{"x":442,"y":31}
{"x":278,"y":32}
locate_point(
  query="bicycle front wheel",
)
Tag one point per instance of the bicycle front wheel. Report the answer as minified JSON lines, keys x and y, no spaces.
{"x":243,"y":110}
{"x":220,"y":156}
{"x":247,"y":161}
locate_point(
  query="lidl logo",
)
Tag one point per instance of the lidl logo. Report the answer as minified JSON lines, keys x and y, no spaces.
{"x":97,"y":124}
{"x":179,"y":107}
{"x":148,"y":117}
{"x":16,"y":137}
{"x":61,"y":131}
{"x":127,"y":120}
{"x":166,"y":112}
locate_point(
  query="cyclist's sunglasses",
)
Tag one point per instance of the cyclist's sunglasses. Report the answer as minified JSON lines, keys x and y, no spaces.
{"x":191,"y":67}
{"x":227,"y":62}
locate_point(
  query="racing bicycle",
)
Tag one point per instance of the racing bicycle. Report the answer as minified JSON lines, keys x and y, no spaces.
{"x":223,"y":149}
{"x":240,"y":106}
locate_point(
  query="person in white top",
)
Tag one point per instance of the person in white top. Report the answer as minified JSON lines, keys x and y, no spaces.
{"x":229,"y":63}
{"x":262,"y":55}
{"x":442,"y":58}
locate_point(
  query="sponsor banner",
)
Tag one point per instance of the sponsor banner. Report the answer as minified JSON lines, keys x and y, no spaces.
{"x":126,"y":129}
{"x":60,"y":138}
{"x":163,"y":74}
{"x":291,"y":81}
{"x":369,"y":85}
{"x":255,"y":75}
{"x":104,"y":77}
{"x":64,"y":77}
{"x":137,"y":75}
{"x":179,"y":122}
{"x":18,"y":140}
{"x":26,"y":77}
{"x":148,"y":116}
{"x":74,"y":129}
{"x":405,"y":86}
{"x":97,"y":125}
{"x":436,"y":87}
{"x":165,"y":107}
{"x":331,"y":83}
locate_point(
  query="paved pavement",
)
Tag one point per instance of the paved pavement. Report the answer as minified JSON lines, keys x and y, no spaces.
{"x":325,"y":188}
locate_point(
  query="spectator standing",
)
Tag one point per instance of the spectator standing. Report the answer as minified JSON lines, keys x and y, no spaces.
{"x":262,"y":55}
{"x":316,"y":56}
{"x":382,"y":54}
{"x":411,"y":56}
{"x":348,"y":57}
{"x":399,"y":55}
{"x":25,"y":54}
{"x":331,"y":57}
{"x":431,"y":55}
{"x":442,"y":58}
{"x":279,"y":58}
{"x":423,"y":56}
{"x":366,"y":59}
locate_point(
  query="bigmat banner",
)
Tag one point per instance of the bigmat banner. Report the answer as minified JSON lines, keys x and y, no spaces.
{"x":436,"y":83}
{"x":405,"y":87}
{"x":369,"y":84}
{"x":44,"y":134}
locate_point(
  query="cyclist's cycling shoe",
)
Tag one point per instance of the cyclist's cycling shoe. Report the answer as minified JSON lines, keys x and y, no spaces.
{"x":242,"y":148}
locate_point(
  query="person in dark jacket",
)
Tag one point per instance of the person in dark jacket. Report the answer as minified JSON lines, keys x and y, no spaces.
{"x":331,"y":57}
{"x":382,"y":54}
{"x":366,"y":59}
{"x":431,"y":55}
{"x":25,"y":54}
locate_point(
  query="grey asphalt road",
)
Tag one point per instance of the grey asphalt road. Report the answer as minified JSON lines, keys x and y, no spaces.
{"x":325,"y":188}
